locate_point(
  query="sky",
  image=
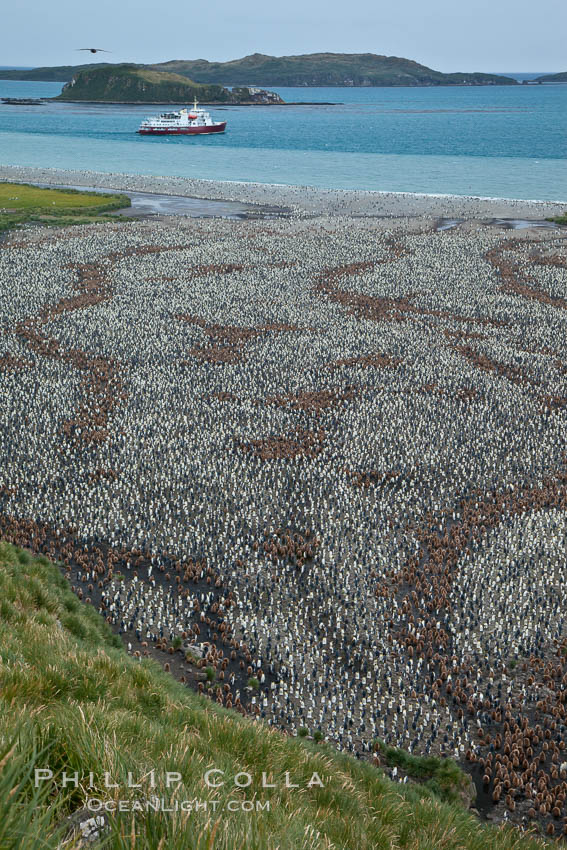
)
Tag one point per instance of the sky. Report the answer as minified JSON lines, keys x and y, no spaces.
{"x":447,"y":35}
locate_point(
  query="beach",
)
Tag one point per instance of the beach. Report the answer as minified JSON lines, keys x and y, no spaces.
{"x":300,"y":199}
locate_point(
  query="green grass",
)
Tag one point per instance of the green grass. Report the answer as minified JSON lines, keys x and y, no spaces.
{"x":442,"y":776}
{"x":258,"y":69}
{"x":130,"y":83}
{"x":21,"y":203}
{"x":72,"y":699}
{"x":561,"y":219}
{"x":326,"y":69}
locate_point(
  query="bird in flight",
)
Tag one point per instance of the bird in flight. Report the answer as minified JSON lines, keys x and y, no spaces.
{"x":94,"y":50}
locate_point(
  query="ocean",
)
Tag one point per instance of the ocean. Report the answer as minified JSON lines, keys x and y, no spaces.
{"x":490,"y":141}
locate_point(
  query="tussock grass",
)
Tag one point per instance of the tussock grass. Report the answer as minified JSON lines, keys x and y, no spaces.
{"x":71,"y":699}
{"x":440,"y":775}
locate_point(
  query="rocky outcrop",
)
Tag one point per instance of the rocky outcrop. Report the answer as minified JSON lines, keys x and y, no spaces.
{"x":251,"y":94}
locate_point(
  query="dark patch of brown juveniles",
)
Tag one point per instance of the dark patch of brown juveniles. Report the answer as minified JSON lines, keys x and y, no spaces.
{"x":300,"y":443}
{"x":284,"y":545}
{"x":314,"y":401}
{"x":375,"y":361}
{"x":10,"y":363}
{"x":515,"y":278}
{"x":226,"y":342}
{"x":373,"y":478}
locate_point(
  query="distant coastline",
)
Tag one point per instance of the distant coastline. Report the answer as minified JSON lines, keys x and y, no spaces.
{"x":330,"y":70}
{"x":552,"y":78}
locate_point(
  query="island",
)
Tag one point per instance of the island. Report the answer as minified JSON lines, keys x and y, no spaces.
{"x":552,"y":78}
{"x":326,"y":69}
{"x":313,"y":69}
{"x":133,"y":84}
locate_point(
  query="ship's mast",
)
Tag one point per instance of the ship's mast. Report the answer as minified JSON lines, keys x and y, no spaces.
{"x":195,"y":103}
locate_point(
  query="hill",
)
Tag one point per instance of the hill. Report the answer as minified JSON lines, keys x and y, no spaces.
{"x":326,"y":69}
{"x":315,"y":69}
{"x":51,"y":74}
{"x":135,"y":84}
{"x":553,"y":78}
{"x":72,"y":699}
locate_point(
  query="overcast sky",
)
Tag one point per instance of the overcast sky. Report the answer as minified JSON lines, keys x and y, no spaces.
{"x":448,"y":35}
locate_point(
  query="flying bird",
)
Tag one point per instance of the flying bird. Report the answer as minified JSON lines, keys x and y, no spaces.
{"x":94,"y":49}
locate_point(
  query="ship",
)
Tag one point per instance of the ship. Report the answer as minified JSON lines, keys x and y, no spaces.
{"x":185,"y":122}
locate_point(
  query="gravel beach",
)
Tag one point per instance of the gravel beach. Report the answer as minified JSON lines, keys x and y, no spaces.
{"x":300,"y":198}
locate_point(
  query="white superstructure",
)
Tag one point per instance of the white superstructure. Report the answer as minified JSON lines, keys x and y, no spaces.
{"x":185,"y":121}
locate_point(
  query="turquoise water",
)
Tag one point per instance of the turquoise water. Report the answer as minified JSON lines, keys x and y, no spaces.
{"x":489,"y":141}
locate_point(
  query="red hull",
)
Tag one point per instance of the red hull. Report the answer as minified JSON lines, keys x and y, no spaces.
{"x":183,"y":131}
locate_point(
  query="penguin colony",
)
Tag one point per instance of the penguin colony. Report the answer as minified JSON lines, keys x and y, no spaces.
{"x":328,"y":456}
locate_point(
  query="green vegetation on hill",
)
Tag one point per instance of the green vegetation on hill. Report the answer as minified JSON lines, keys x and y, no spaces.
{"x":55,"y":74}
{"x":325,"y":69}
{"x":130,"y":83}
{"x":553,"y":78}
{"x":135,"y":84}
{"x":71,"y":699}
{"x":21,"y":203}
{"x":315,"y":69}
